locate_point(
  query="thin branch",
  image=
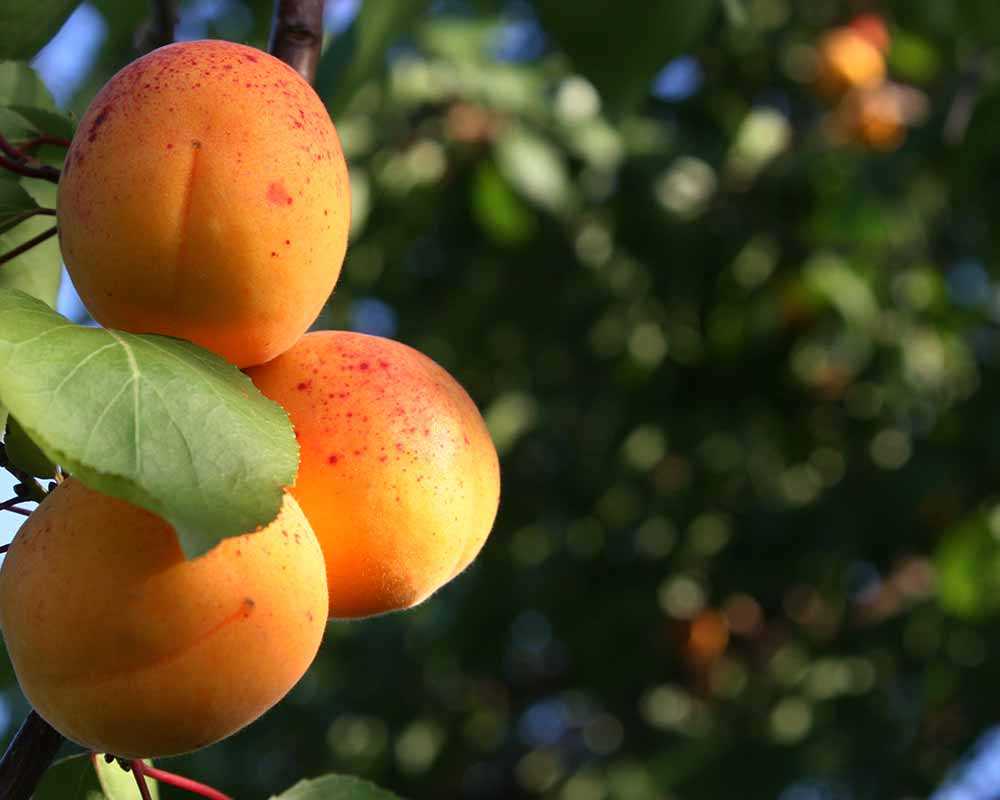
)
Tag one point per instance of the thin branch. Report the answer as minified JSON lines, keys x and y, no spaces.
{"x":31,"y":212}
{"x":38,"y":141}
{"x":29,"y":754}
{"x":26,"y":246}
{"x":297,"y":35}
{"x":169,"y":778}
{"x":43,"y":171}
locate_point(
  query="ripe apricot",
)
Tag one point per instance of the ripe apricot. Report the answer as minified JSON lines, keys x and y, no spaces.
{"x":127,"y":648}
{"x":848,"y":60}
{"x":398,"y":475}
{"x":205,"y":196}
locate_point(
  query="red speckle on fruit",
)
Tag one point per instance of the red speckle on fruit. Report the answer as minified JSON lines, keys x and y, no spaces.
{"x":304,"y":385}
{"x":333,"y":459}
{"x":277,"y":194}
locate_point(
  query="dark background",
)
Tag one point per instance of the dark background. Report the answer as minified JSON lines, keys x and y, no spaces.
{"x":741,"y":371}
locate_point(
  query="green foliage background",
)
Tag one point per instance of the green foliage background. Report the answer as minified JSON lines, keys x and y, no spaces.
{"x":730,"y":367}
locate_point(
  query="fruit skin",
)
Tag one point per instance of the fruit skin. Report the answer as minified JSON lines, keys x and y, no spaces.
{"x":205,"y":196}
{"x":126,"y":648}
{"x":398,"y":474}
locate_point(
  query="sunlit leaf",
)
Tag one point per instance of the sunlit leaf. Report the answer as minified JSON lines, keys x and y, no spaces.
{"x":155,"y":421}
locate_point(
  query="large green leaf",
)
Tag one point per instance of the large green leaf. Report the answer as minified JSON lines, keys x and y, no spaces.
{"x":39,"y":270}
{"x":70,"y":778}
{"x":119,"y":784}
{"x":335,"y":787}
{"x":16,"y":204}
{"x":153,"y":420}
{"x":359,"y":52}
{"x":24,"y":453}
{"x":28,"y":24}
{"x":86,"y":777}
{"x":619,"y":46}
{"x":21,"y":86}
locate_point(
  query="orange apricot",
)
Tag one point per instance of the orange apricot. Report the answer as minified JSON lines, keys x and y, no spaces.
{"x":398,"y":475}
{"x":125,"y":647}
{"x":848,"y":60}
{"x":205,"y":196}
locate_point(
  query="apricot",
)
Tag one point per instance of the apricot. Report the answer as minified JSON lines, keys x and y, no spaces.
{"x":847,"y":60}
{"x":205,"y":196}
{"x":398,"y":475}
{"x":125,"y":647}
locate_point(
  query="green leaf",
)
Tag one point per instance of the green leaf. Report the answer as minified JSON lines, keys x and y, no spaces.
{"x":358,"y":53}
{"x":45,"y":121}
{"x":70,"y":778}
{"x":119,"y":784}
{"x":21,"y":86}
{"x":967,"y":563}
{"x":16,"y":204}
{"x":609,"y":41}
{"x":335,"y":787}
{"x":24,"y":453}
{"x":535,"y":167}
{"x":156,"y":421}
{"x":39,"y":270}
{"x":28,"y":24}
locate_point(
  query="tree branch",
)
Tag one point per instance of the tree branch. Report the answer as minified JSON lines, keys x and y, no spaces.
{"x":10,"y":255}
{"x":29,"y":754}
{"x":297,"y":35}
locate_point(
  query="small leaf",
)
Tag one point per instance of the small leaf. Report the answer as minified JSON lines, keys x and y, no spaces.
{"x":156,"y":421}
{"x":16,"y":204}
{"x":359,"y":52}
{"x":119,"y":784}
{"x":335,"y":787}
{"x":534,"y":167}
{"x":39,"y":270}
{"x":21,"y":86}
{"x":28,"y":24}
{"x":44,"y":121}
{"x":70,"y":778}
{"x":24,"y":453}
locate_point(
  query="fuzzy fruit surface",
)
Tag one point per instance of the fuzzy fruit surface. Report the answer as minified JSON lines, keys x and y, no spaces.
{"x":126,"y":648}
{"x":205,"y":196}
{"x":398,"y":475}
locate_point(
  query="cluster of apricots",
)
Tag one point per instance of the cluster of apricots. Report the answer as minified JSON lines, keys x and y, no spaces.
{"x":205,"y":196}
{"x":867,"y":108}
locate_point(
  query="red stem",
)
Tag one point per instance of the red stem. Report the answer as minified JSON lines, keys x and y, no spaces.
{"x":179,"y":781}
{"x":138,"y":772}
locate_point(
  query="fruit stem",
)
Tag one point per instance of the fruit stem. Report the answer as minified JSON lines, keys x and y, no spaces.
{"x":169,"y":778}
{"x":24,"y":247}
{"x":139,"y":773}
{"x":297,"y":35}
{"x":28,"y":756}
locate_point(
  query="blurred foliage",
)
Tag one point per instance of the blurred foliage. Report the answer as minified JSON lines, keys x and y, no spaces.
{"x":743,"y":377}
